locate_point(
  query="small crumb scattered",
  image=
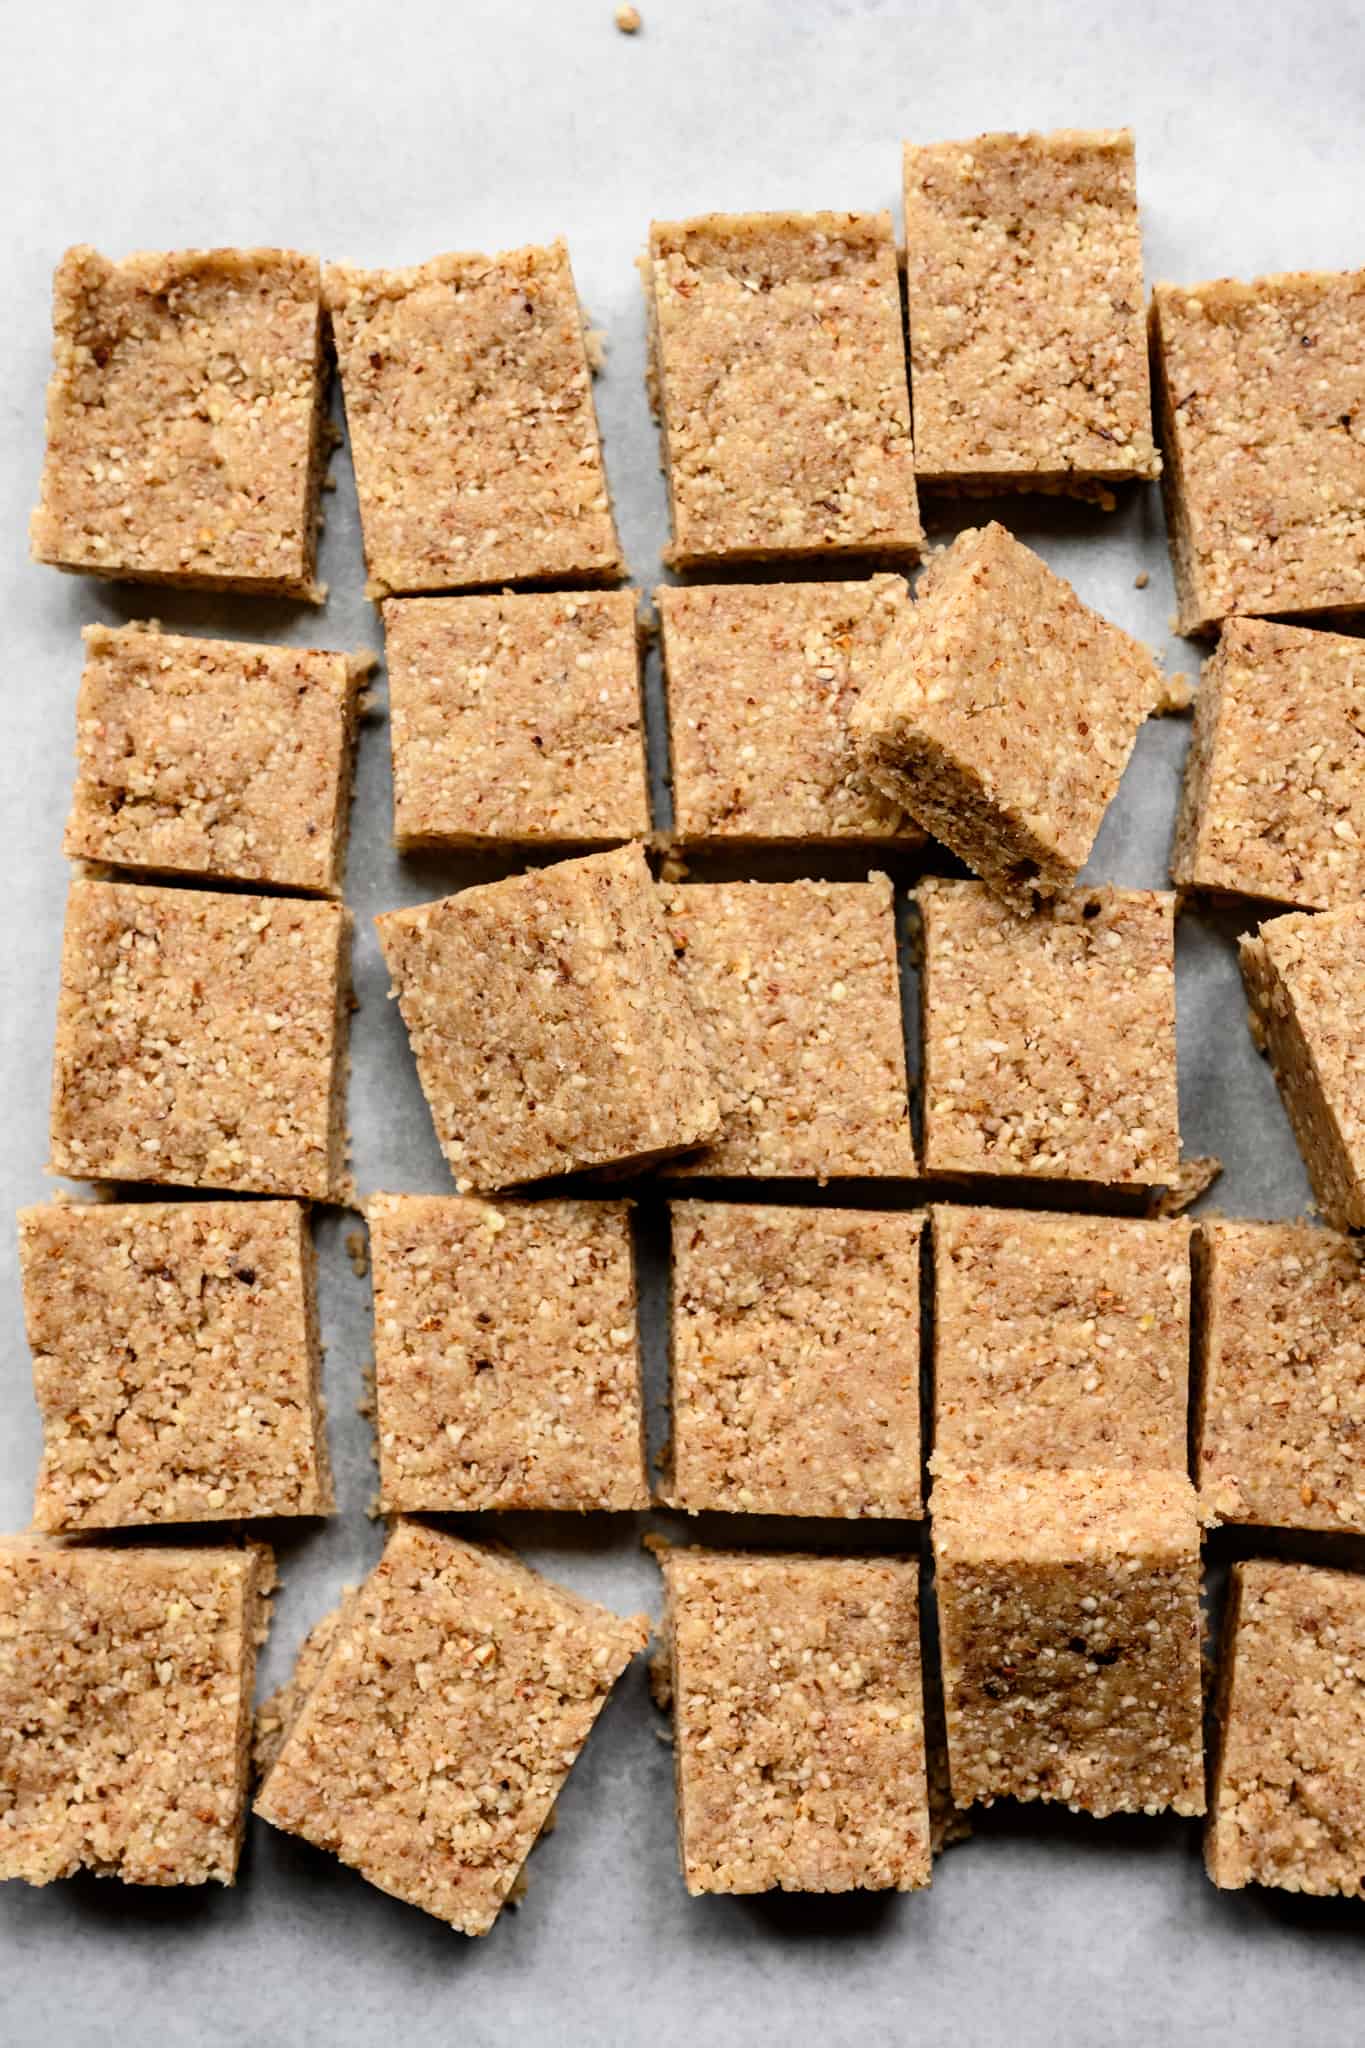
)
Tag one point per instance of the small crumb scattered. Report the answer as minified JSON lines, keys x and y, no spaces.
{"x":358,"y":1252}
{"x":1193,"y":1178}
{"x":1177,"y":694}
{"x":629,"y":20}
{"x":368,"y":1404}
{"x":1141,"y":580}
{"x":672,"y":867}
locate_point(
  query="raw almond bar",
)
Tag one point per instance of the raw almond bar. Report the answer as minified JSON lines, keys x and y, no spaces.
{"x":126,"y":1678}
{"x":1028,"y":350}
{"x":551,"y":1025}
{"x":1004,"y":716}
{"x":1049,"y":1042}
{"x":798,"y":1722}
{"x":761,"y":678}
{"x":1286,"y":1807}
{"x":507,"y":1360}
{"x":176,"y":1362}
{"x":213,"y":760}
{"x":795,"y":985}
{"x":469,"y":406}
{"x":186,"y":439}
{"x":1261,"y":392}
{"x":516,"y":720}
{"x":1069,"y":1621}
{"x":1274,"y":797}
{"x":779,"y":366}
{"x":201,"y":1040}
{"x":1281,"y":1365}
{"x":1305,"y":976}
{"x":794,"y":1361}
{"x":1059,"y":1341}
{"x":439,"y":1720}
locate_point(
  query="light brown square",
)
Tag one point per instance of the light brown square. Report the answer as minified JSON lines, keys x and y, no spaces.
{"x":214,"y":761}
{"x":516,"y":720}
{"x":1059,"y":1341}
{"x":1049,"y":1042}
{"x":796,"y":990}
{"x":795,"y":1361}
{"x":433,"y":1721}
{"x":507,"y":1358}
{"x":201,"y":1041}
{"x":761,"y":678}
{"x":186,"y":438}
{"x":470,"y":412}
{"x":781,"y":387}
{"x":798,"y":1722}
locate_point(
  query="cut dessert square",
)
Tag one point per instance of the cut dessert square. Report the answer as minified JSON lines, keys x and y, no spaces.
{"x":469,"y":405}
{"x":186,"y":439}
{"x":516,"y":719}
{"x":507,"y":1360}
{"x":201,"y":1041}
{"x":126,"y":1678}
{"x":1069,"y":1618}
{"x":1286,"y":1806}
{"x":1274,"y":796}
{"x":1305,"y":976}
{"x":796,"y":989}
{"x":1261,"y":391}
{"x":214,"y":760}
{"x":1059,"y":1341}
{"x":176,"y":1362}
{"x":760,"y":681}
{"x":779,"y":364}
{"x":550,"y":1022}
{"x":795,"y":1361}
{"x":433,"y":1720}
{"x":1281,"y":1371}
{"x":1004,"y":714}
{"x":1049,"y":1042}
{"x":798,"y":1722}
{"x":1028,"y":349}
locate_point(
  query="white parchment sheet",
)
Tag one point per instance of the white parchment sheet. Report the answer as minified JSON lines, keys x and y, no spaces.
{"x":384,"y":135}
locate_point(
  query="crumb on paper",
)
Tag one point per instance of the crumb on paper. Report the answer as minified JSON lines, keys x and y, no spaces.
{"x":358,"y":1252}
{"x":595,"y":348}
{"x":1193,"y":1178}
{"x":1177,"y":694}
{"x":629,"y":20}
{"x":368,"y":1404}
{"x":672,"y":866}
{"x":1141,"y":580}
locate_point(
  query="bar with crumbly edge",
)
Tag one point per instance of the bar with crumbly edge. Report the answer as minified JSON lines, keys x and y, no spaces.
{"x":1028,"y":353}
{"x":468,"y":390}
{"x":201,"y":1040}
{"x":176,"y":1362}
{"x":1261,"y":397}
{"x":794,"y":1361}
{"x":1048,"y":1042}
{"x":186,"y":428}
{"x":796,"y":989}
{"x":435,"y":1719}
{"x":1273,"y":804}
{"x":779,"y":377}
{"x":214,"y":760}
{"x":798,"y":1709}
{"x":507,"y":1358}
{"x":1059,"y":1340}
{"x":1069,"y":1624}
{"x":760,"y":679}
{"x":551,"y":1024}
{"x":126,"y":1678}
{"x":1305,"y":976}
{"x":1287,"y":1807}
{"x":1004,"y":714}
{"x":1280,"y":1374}
{"x":516,"y":720}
